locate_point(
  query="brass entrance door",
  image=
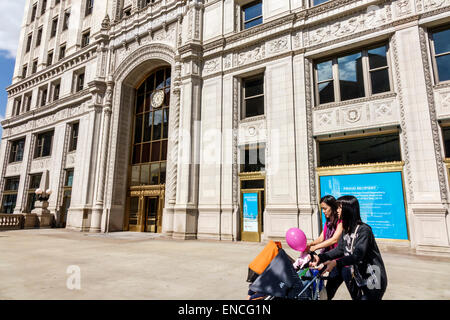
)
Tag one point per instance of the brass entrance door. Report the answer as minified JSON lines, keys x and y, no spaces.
{"x":252,"y":207}
{"x":151,"y":214}
{"x":144,"y":211}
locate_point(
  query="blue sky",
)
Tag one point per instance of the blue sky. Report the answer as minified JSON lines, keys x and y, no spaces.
{"x":11,"y":13}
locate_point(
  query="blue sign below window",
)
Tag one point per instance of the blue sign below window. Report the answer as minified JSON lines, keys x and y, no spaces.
{"x":380,"y":197}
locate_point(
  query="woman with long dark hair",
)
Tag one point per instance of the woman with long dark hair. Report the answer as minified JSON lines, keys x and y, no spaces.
{"x":328,"y":240}
{"x":357,"y":253}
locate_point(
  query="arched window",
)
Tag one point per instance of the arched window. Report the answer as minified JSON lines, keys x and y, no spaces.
{"x":151,"y":128}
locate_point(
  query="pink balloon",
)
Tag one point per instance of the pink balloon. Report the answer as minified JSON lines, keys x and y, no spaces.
{"x":296,"y":239}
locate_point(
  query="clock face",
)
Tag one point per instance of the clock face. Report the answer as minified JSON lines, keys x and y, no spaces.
{"x":158,"y":99}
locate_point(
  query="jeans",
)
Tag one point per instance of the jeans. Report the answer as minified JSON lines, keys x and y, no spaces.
{"x":343,"y":274}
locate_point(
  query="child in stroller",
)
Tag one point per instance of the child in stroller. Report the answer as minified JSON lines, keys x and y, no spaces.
{"x":272,"y":275}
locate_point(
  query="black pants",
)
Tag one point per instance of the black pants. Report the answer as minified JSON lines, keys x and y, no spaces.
{"x":343,"y":274}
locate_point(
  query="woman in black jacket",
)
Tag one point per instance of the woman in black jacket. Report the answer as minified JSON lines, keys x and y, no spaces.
{"x":358,"y":253}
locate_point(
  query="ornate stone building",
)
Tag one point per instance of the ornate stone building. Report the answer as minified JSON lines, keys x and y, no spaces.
{"x":228,"y":119}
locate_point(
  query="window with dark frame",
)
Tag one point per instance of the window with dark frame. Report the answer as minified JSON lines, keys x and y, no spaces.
{"x":17,"y":149}
{"x":253,"y":96}
{"x":30,"y":37}
{"x":440,"y":44}
{"x":252,"y":14}
{"x":16,"y":106}
{"x":151,"y":124}
{"x":62,"y":51}
{"x":24,"y":71}
{"x":56,"y":90}
{"x":28,"y":102}
{"x":39,"y":37}
{"x":343,"y":77}
{"x":73,"y":136}
{"x":54,"y":27}
{"x":50,"y":58}
{"x":360,"y":150}
{"x":43,"y":145}
{"x":34,"y":184}
{"x":44,"y":6}
{"x":85,"y":38}
{"x":446,"y":138}
{"x":43,"y":96}
{"x":79,"y":81}
{"x":34,"y":68}
{"x":66,"y":20}
{"x":10,"y":194}
{"x":89,"y":7}
{"x":253,"y":157}
{"x":33,"y":13}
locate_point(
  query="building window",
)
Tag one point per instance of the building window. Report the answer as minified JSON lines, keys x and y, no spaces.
{"x":30,"y":36}
{"x":441,"y":54}
{"x":127,"y":12}
{"x":16,"y":106}
{"x":56,"y":87}
{"x":79,"y":81}
{"x":253,"y":157}
{"x":54,"y":27}
{"x":24,"y":71}
{"x":352,"y":76}
{"x":27,"y":104}
{"x":317,"y":2}
{"x":85,"y":39}
{"x":252,"y":14}
{"x":68,"y":181}
{"x":43,"y":145}
{"x":10,"y":194}
{"x":39,"y":37}
{"x":151,"y":122}
{"x":50,"y":58}
{"x":370,"y":149}
{"x":34,"y":68}
{"x":89,"y":7}
{"x":17,"y":148}
{"x":43,"y":96}
{"x":253,"y":96}
{"x":44,"y":6}
{"x":73,"y":137}
{"x":33,"y":12}
{"x":66,"y":20}
{"x":35,"y":182}
{"x":57,"y":2}
{"x":62,"y":52}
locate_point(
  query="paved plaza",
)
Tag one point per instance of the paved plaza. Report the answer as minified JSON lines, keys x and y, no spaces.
{"x":44,"y":264}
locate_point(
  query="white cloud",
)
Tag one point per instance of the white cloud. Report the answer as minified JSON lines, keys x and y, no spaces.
{"x":11,"y":15}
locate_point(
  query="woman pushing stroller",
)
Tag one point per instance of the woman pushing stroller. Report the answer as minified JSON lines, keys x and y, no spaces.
{"x":357,"y":253}
{"x":328,"y":240}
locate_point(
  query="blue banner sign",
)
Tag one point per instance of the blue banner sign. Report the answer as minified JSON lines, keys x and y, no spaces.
{"x":380,"y":197}
{"x":250,"y":210}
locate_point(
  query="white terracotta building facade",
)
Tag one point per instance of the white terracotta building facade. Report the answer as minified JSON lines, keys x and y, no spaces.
{"x":145,"y":113}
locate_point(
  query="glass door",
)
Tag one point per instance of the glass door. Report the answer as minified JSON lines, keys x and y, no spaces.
{"x":251,"y":215}
{"x":133,"y":214}
{"x":151,"y":214}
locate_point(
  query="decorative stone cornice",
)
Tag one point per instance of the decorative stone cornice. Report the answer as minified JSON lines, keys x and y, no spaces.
{"x":57,"y":69}
{"x":50,"y":108}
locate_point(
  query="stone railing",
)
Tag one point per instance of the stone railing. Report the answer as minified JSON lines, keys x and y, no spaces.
{"x":11,"y":221}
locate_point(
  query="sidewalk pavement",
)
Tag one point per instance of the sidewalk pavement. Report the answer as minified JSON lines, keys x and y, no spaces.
{"x":40,"y":264}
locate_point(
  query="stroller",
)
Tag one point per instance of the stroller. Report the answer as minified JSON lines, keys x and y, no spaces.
{"x":273,"y":276}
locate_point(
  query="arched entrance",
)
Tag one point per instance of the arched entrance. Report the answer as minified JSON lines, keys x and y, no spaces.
{"x":148,"y":154}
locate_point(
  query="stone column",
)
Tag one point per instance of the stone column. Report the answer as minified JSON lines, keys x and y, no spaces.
{"x":424,"y":172}
{"x":100,"y":192}
{"x":172,"y":159}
